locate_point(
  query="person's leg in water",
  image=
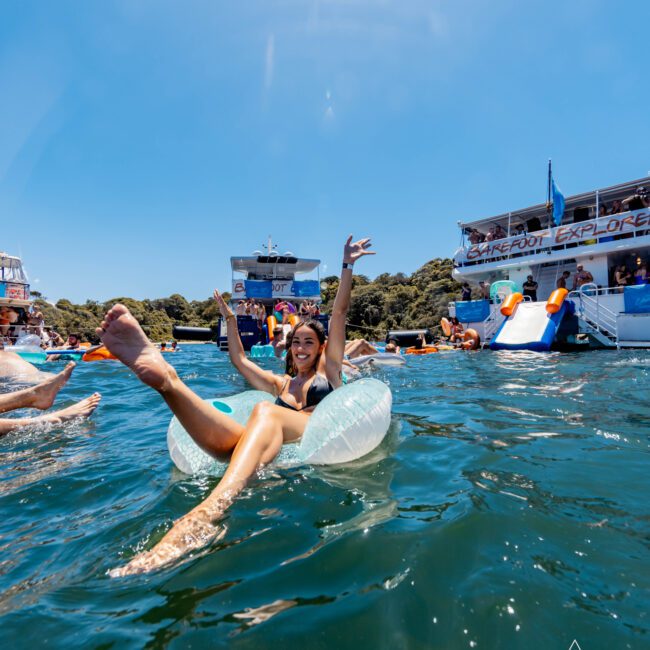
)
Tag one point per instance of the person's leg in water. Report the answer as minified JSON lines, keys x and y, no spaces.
{"x":213,"y":431}
{"x":268,"y":427}
{"x":14,"y":367}
{"x":40,"y":396}
{"x":252,"y":446}
{"x":359,"y":348}
{"x":81,"y":409}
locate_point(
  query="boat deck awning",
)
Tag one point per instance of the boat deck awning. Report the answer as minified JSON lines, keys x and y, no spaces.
{"x":271,"y":266}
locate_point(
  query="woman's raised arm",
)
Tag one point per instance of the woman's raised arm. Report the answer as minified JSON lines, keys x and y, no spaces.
{"x":334,"y":352}
{"x":256,"y":377}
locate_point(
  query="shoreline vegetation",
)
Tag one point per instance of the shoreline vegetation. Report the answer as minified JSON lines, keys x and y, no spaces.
{"x":388,"y":302}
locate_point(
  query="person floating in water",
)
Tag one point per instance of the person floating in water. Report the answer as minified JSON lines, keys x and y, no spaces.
{"x":270,"y":425}
{"x":41,"y":396}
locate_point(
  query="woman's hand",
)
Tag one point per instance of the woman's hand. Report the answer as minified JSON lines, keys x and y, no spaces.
{"x":352,"y":251}
{"x":223,"y":307}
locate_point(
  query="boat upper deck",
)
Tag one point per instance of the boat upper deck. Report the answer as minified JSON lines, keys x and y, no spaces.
{"x":597,"y":220}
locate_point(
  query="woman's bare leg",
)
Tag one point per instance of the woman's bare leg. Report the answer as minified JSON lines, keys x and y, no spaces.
{"x":81,"y":409}
{"x":213,"y":431}
{"x":12,"y":365}
{"x":266,"y":430}
{"x":359,"y":348}
{"x":38,"y":397}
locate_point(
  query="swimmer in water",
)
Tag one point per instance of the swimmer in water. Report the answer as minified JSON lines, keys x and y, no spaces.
{"x":249,"y":446}
{"x":42,"y":397}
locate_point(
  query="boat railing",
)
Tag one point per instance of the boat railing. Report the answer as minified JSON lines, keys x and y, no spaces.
{"x":590,"y":308}
{"x":629,"y":224}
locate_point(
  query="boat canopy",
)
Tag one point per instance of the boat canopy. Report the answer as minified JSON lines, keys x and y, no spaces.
{"x":11,"y":269}
{"x":263,"y":267}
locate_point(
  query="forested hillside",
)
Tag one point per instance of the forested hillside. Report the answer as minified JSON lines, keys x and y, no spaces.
{"x":387,"y":302}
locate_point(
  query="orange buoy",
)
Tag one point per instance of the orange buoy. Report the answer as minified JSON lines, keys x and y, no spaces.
{"x":510,"y":303}
{"x":555,"y":301}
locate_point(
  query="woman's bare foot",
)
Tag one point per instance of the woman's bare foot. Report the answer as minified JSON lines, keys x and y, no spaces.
{"x":193,"y":531}
{"x":122,"y":335}
{"x":45,"y":393}
{"x":81,"y":409}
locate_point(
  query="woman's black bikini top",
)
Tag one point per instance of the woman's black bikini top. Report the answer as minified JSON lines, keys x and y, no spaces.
{"x":319,"y":389}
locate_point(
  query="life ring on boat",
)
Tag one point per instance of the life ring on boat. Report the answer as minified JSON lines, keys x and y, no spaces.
{"x":446,"y":326}
{"x":510,"y":303}
{"x":555,"y":300}
{"x":100,"y":354}
{"x":341,"y":428}
{"x":429,"y":349}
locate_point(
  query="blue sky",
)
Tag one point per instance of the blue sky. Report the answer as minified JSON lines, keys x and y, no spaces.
{"x":144,"y":142}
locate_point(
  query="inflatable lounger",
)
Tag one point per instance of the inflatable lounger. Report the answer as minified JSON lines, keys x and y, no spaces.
{"x":348,"y":424}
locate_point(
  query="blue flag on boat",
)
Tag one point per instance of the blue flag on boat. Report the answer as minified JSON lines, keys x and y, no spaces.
{"x":558,"y":203}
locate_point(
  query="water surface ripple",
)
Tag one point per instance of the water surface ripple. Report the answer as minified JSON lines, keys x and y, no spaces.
{"x":507,"y":508}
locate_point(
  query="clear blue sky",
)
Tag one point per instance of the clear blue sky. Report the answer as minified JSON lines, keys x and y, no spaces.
{"x":144,"y":142}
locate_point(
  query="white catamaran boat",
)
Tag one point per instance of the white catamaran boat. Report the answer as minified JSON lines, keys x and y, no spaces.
{"x":269,"y":277}
{"x":601,"y":231}
{"x":14,"y":298}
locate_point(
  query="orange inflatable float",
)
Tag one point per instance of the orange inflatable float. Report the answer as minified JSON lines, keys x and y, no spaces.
{"x":471,"y":340}
{"x":446,"y":326}
{"x":98,"y":354}
{"x":510,"y":303}
{"x":555,"y":301}
{"x":429,"y":349}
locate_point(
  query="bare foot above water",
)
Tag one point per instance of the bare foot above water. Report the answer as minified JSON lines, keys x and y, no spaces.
{"x":121,"y":333}
{"x":81,"y":409}
{"x":45,"y":392}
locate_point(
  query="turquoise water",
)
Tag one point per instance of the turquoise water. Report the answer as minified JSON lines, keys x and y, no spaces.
{"x":507,"y":508}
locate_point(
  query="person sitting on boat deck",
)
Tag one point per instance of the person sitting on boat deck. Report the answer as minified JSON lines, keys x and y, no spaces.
{"x":475,"y":237}
{"x":256,"y":443}
{"x":484,"y":289}
{"x":456,"y":330}
{"x":637,"y":201}
{"x":581,"y":277}
{"x":617,"y":207}
{"x":279,"y":341}
{"x":9,"y":317}
{"x":35,"y":322}
{"x":562,"y":280}
{"x":530,"y":288}
{"x":359,"y":348}
{"x":41,"y":397}
{"x":465,"y":291}
{"x":622,"y":277}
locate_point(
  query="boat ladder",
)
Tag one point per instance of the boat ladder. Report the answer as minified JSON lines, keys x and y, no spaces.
{"x":596,"y":319}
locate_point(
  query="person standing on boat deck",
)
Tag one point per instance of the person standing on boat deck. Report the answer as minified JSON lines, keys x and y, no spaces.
{"x":466,"y":292}
{"x":269,"y":426}
{"x":581,"y":277}
{"x":499,"y":232}
{"x":638,"y":200}
{"x":530,"y":288}
{"x":622,"y":277}
{"x":484,"y":288}
{"x":562,"y":280}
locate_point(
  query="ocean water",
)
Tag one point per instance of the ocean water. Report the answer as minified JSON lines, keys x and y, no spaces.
{"x":507,"y":508}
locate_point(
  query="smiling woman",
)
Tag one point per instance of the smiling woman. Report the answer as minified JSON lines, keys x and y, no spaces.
{"x":313,"y":371}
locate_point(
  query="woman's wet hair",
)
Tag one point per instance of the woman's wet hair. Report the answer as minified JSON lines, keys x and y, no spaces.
{"x":317,"y":328}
